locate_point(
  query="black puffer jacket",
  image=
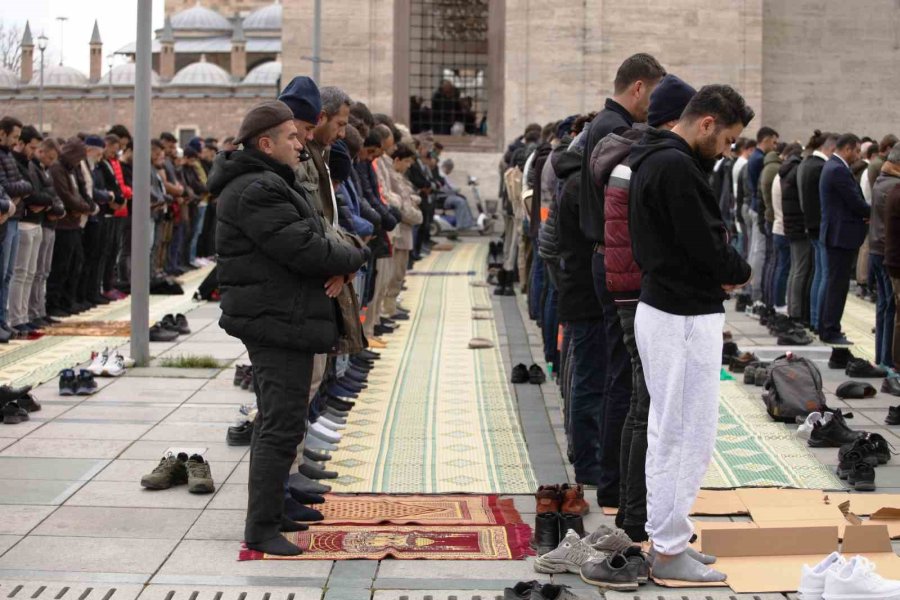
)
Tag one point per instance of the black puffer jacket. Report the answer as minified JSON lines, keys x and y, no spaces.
{"x":274,"y":257}
{"x":548,"y":240}
{"x":794,"y":225}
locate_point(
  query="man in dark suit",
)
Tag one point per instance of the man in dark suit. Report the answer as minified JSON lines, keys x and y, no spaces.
{"x":845,"y":217}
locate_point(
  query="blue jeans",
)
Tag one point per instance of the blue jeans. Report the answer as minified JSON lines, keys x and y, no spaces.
{"x":817,"y":290}
{"x":884,"y":312}
{"x":198,"y":229}
{"x":461,"y":211}
{"x":7,"y":263}
{"x":588,"y":340}
{"x":782,"y":268}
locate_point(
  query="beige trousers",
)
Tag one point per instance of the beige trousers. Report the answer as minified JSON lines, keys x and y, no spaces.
{"x":384,"y":268}
{"x":401,"y":262}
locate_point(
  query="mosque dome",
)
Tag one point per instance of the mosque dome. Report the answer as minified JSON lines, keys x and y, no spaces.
{"x":202,"y":74}
{"x":124,"y":76}
{"x":200,"y":18}
{"x":264,"y":74}
{"x":267,"y":17}
{"x":60,"y":76}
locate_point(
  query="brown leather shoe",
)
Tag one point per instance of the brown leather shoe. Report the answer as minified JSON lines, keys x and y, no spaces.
{"x":573,"y":500}
{"x":739,"y":363}
{"x":548,"y":499}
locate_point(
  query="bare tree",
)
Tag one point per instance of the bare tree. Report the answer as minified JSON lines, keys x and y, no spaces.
{"x":10,"y":49}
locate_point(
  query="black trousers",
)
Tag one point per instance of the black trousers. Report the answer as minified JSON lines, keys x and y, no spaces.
{"x":632,"y":514}
{"x":92,"y":240}
{"x":65,"y":269}
{"x":112,"y":240}
{"x":837,"y":285}
{"x":281,"y":379}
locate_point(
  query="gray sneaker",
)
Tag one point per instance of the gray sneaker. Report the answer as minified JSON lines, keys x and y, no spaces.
{"x":609,"y":541}
{"x":614,"y":572}
{"x":199,"y":476}
{"x":170,"y":471}
{"x":568,"y":557}
{"x":641,"y":561}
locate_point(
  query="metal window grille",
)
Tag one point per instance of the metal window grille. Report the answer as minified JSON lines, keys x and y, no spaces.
{"x":448,"y":66}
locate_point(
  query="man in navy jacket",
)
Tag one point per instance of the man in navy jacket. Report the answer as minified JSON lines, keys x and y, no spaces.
{"x":845,"y":217}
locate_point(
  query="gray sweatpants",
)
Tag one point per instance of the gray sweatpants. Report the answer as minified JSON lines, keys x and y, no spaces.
{"x":757,"y":259}
{"x":681,"y":356}
{"x":23,"y":272}
{"x":37,"y":299}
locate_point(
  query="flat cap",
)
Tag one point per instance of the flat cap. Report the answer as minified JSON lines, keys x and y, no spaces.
{"x":261,"y":117}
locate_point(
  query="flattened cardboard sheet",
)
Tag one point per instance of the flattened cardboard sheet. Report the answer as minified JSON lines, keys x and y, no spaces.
{"x":710,"y":503}
{"x":868,"y":504}
{"x":815,"y":515}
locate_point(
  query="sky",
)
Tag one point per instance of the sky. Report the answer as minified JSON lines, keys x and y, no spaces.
{"x":117,"y":20}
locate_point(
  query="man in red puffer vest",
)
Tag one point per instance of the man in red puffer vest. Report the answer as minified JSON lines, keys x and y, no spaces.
{"x":611,"y":171}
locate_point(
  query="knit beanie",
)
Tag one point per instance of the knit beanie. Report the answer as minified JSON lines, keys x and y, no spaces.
{"x":339,"y":162}
{"x":302,"y":97}
{"x":669,"y":100}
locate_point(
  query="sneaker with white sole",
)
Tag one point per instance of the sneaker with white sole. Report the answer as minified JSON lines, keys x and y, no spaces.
{"x":812,"y":579}
{"x":114,"y":366}
{"x":857,"y":580}
{"x":609,"y":541}
{"x":568,"y":557}
{"x":98,"y":361}
{"x":330,"y":424}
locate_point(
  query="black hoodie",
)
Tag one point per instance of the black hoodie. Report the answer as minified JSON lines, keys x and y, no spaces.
{"x":677,"y":233}
{"x":273,"y":256}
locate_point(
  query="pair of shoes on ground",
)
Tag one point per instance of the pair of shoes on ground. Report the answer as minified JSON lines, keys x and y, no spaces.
{"x":81,"y":383}
{"x":859,"y":458}
{"x":16,"y":403}
{"x":104,"y":364}
{"x":243,"y":376}
{"x":533,"y":374}
{"x":535,"y":590}
{"x":606,"y":558}
{"x":169,"y":328}
{"x":756,"y":373}
{"x":739,"y":363}
{"x":180,"y":469}
{"x":838,"y":578}
{"x":561,"y":498}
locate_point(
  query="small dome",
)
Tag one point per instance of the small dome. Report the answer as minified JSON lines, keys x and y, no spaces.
{"x":8,"y":79}
{"x":264,"y":74}
{"x":199,"y":17}
{"x":202,"y":74}
{"x":123,"y":76}
{"x":60,"y":76}
{"x":267,"y":17}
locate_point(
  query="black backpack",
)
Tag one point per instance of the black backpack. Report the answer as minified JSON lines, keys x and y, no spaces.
{"x":793,"y":389}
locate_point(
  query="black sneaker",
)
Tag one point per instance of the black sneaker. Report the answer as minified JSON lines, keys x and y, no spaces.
{"x":851,"y":458}
{"x":240,"y":371}
{"x":168,"y":322}
{"x":7,"y":392}
{"x":840,"y":358}
{"x":160,"y":333}
{"x":181,"y":323}
{"x":862,"y":477}
{"x":239,"y":435}
{"x":833,"y":434}
{"x":87,"y":385}
{"x":864,"y":448}
{"x":519,"y":374}
{"x":13,"y":414}
{"x":860,"y":367}
{"x":68,"y":382}
{"x":893,"y":416}
{"x":29,"y":403}
{"x":536,"y":375}
{"x":883,"y":448}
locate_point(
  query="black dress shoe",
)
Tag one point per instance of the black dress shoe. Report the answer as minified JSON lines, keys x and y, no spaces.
{"x":840,"y":358}
{"x":342,"y":405}
{"x":240,"y":435}
{"x":893,"y":416}
{"x":369,"y":355}
{"x":316,"y":473}
{"x":58,"y":312}
{"x":159,"y":333}
{"x":8,"y":392}
{"x":838,"y":340}
{"x":855,"y":390}
{"x":860,"y":367}
{"x":891,"y":385}
{"x":833,"y":434}
{"x":536,"y":375}
{"x":5,"y":336}
{"x":519,"y":374}
{"x":381,"y":330}
{"x":546,"y":532}
{"x":29,"y":403}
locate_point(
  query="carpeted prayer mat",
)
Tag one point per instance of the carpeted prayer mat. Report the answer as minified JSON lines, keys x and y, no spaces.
{"x":91,"y":328}
{"x":378,"y":509}
{"x":754,"y":451}
{"x":857,"y":323}
{"x":437,"y":417}
{"x":377,"y":542}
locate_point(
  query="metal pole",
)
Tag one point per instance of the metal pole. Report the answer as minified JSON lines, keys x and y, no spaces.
{"x":62,"y":22}
{"x":317,"y":42}
{"x":112,"y":119}
{"x":41,"y":95}
{"x":140,"y":228}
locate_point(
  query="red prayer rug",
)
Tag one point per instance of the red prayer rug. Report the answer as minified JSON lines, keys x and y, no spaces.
{"x":377,"y":542}
{"x":417,"y":509}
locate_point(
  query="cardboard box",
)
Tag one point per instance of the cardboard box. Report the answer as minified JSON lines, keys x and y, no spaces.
{"x":710,"y":503}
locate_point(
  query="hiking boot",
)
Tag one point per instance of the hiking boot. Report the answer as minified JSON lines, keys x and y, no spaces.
{"x":834,"y":434}
{"x":573,"y":501}
{"x":568,"y":557}
{"x":862,"y":477}
{"x":13,"y":414}
{"x":68,"y":382}
{"x":519,"y":374}
{"x":860,"y":367}
{"x":893,"y":416}
{"x":87,"y":385}
{"x":199,"y":476}
{"x":614,"y":572}
{"x":546,"y":532}
{"x":239,"y":435}
{"x":181,"y":323}
{"x":29,"y":403}
{"x":536,"y":375}
{"x":840,"y":358}
{"x":170,"y":471}
{"x":548,"y":499}
{"x":571,"y":522}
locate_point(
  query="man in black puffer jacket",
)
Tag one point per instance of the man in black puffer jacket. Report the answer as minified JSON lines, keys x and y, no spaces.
{"x":795,"y":232}
{"x":278,"y":275}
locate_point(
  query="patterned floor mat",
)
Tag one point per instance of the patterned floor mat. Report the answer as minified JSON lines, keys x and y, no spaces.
{"x":417,"y":509}
{"x":437,"y":417}
{"x":754,"y":451}
{"x":859,"y":318}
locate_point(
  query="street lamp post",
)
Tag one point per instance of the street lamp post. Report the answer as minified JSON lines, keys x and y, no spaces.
{"x":42,"y":46}
{"x":62,"y":22}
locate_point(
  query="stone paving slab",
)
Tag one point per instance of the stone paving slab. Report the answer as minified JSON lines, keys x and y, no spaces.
{"x":118,"y":522}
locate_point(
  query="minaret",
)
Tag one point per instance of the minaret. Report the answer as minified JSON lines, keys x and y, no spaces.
{"x":96,"y":54}
{"x":167,"y":52}
{"x":27,"y":54}
{"x":238,"y":50}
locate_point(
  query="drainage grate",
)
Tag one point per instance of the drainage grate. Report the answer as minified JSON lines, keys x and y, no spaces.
{"x":212,"y":592}
{"x":658,"y":594}
{"x":57,"y":590}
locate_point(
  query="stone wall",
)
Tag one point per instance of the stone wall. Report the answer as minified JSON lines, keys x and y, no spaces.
{"x":832,"y":66}
{"x":226,"y":7}
{"x":212,"y":116}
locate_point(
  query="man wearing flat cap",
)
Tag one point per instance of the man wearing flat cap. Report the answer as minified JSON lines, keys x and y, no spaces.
{"x":274,"y":260}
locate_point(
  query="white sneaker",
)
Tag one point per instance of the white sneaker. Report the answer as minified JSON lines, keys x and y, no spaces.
{"x":803,"y":432}
{"x":812,"y":580}
{"x":320,"y":431}
{"x":330,"y":424}
{"x":114,"y":366}
{"x":98,"y":361}
{"x":568,"y":557}
{"x":857,"y":580}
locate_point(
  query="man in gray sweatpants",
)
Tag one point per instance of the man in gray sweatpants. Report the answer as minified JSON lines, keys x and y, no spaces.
{"x":688,"y":265}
